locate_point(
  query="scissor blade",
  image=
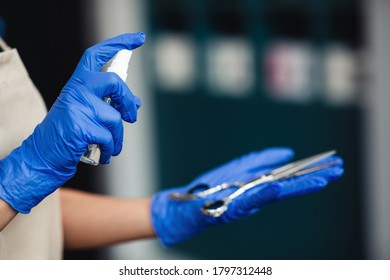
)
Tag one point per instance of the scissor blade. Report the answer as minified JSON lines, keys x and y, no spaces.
{"x":293,"y":167}
{"x":314,"y":168}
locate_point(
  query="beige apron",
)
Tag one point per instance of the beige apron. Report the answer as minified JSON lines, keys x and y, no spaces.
{"x":37,"y":235}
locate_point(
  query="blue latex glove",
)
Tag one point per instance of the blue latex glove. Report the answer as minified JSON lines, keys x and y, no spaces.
{"x":79,"y":117}
{"x":175,"y":221}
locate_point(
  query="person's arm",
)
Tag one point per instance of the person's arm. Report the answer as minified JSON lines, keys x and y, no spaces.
{"x":95,"y":220}
{"x":6,"y":214}
{"x":92,"y":220}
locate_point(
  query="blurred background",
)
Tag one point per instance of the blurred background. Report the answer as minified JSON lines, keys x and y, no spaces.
{"x":222,"y":78}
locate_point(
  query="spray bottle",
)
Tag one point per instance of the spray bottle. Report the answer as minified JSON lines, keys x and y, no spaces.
{"x":119,"y":65}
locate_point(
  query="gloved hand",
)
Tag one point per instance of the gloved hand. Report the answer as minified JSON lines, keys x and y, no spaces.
{"x":79,"y":117}
{"x":175,"y":221}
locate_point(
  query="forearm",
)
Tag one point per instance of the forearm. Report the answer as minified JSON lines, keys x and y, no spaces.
{"x":6,"y":214}
{"x":91,"y":220}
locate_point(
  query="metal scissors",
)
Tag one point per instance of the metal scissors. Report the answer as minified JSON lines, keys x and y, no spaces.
{"x":218,"y":207}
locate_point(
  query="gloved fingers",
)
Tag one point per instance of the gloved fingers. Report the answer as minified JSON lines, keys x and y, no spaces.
{"x":106,"y":84}
{"x":338,"y":161}
{"x":301,"y":186}
{"x":330,"y":173}
{"x":127,"y":104}
{"x":257,"y":163}
{"x":138,"y":102}
{"x":111,"y":119}
{"x":254,"y":199}
{"x":101,"y":136}
{"x":243,"y":168}
{"x":96,"y":56}
{"x":295,"y":184}
{"x":251,"y":201}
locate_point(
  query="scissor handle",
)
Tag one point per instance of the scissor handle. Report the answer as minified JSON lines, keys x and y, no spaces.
{"x":191,"y":194}
{"x":218,"y":207}
{"x":202,"y":190}
{"x":215,"y":208}
{"x":199,"y":188}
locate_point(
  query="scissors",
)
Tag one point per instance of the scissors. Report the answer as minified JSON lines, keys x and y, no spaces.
{"x":218,"y":207}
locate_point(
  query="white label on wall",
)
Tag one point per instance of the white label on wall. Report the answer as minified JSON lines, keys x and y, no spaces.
{"x":175,"y":56}
{"x":230,"y":67}
{"x":289,"y":71}
{"x":340,"y":69}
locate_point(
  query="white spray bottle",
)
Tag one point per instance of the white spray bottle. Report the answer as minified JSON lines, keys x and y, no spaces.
{"x":119,"y":65}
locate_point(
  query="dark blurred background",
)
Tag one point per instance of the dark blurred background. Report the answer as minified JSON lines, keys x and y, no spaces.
{"x":219,"y":79}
